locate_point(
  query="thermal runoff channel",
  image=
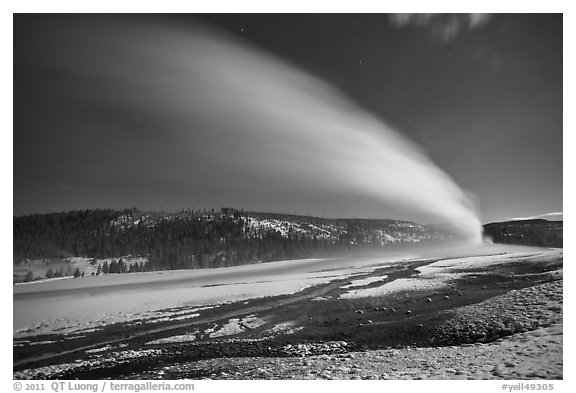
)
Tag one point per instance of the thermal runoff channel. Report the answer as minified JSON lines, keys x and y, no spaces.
{"x":232,"y":119}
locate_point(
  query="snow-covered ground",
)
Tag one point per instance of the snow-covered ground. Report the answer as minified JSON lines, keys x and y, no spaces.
{"x":91,"y":302}
{"x":364,"y":281}
{"x":236,"y":326}
{"x":88,"y":266}
{"x":181,"y":338}
{"x":438,"y":274}
{"x":70,"y":313}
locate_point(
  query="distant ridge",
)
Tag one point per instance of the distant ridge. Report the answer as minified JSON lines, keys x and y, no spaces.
{"x":533,"y":232}
{"x":205,"y":238}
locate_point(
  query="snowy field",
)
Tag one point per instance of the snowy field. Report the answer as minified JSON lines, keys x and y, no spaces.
{"x":438,"y":274}
{"x":73,"y":305}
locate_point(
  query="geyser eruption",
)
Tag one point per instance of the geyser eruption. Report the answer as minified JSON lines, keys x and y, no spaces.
{"x":258,"y":124}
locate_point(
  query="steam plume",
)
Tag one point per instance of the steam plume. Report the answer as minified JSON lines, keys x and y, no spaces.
{"x":254,"y":119}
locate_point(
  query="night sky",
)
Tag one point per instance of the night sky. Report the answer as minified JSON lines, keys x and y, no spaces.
{"x":137,"y":111}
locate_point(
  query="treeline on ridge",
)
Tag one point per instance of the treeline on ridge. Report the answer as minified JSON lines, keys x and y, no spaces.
{"x":188,"y":239}
{"x":538,"y":232}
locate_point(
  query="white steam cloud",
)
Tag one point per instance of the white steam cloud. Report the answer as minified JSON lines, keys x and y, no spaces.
{"x":319,"y":136}
{"x":258,"y":117}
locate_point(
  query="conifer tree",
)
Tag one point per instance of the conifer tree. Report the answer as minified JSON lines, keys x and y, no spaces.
{"x":29,"y":276}
{"x":50,"y":273}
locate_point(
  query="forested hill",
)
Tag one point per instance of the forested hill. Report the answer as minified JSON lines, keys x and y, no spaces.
{"x":199,"y":239}
{"x":539,"y":232}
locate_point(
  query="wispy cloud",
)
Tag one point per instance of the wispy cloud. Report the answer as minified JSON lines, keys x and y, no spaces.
{"x":442,"y":27}
{"x":555,"y":215}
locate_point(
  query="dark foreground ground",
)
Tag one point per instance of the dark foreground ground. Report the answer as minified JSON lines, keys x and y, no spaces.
{"x":504,"y":321}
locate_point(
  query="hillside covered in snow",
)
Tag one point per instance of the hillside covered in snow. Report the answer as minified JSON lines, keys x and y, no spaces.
{"x":199,"y":238}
